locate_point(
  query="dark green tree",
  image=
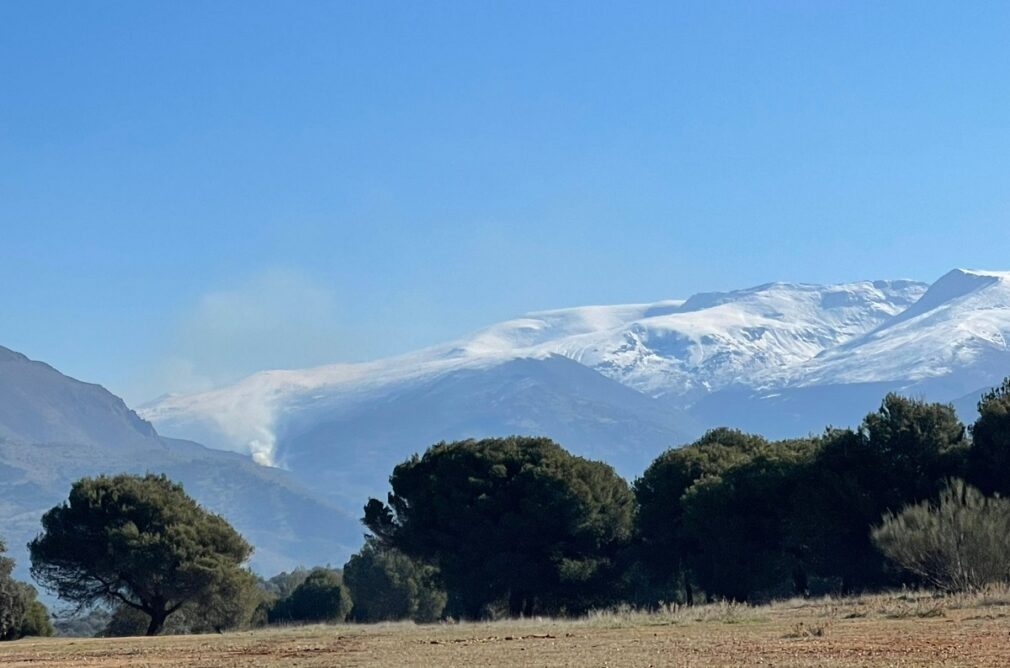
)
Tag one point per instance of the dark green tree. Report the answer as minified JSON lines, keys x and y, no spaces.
{"x":515,"y":521}
{"x":137,"y":541}
{"x":919,"y":446}
{"x":662,"y":547}
{"x":989,"y":455}
{"x":838,"y":495}
{"x":902,"y":454}
{"x":321,"y":597}
{"x":386,"y":584}
{"x":735,"y":525}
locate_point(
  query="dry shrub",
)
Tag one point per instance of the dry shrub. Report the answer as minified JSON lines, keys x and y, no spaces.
{"x":961,"y":543}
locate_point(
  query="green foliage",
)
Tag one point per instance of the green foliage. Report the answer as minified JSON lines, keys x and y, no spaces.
{"x":989,"y":456}
{"x":228,"y":605}
{"x":386,"y":584}
{"x":137,"y":541}
{"x":13,"y":604}
{"x":321,"y":597}
{"x":282,"y":584}
{"x":959,"y":543}
{"x":901,"y":454}
{"x":36,"y":621}
{"x":703,"y":506}
{"x":514,"y":521}
{"x":917,"y":444}
{"x":737,"y":523}
{"x":741,"y":517}
{"x":20,"y":613}
{"x":837,"y":496}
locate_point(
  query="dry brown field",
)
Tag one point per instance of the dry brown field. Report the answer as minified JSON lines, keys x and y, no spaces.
{"x":893,"y":630}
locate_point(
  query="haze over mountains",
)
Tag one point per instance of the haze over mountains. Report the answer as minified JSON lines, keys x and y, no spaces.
{"x":55,"y":429}
{"x":622,"y":382}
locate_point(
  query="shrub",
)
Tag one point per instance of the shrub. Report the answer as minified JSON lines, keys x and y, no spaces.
{"x":959,"y":543}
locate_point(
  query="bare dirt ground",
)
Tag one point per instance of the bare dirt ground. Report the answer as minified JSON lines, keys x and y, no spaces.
{"x":894,"y":630}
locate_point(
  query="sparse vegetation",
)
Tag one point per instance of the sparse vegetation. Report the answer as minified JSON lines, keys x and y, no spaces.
{"x":967,"y":629}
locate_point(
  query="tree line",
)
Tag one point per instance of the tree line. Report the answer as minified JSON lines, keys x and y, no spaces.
{"x":519,"y":526}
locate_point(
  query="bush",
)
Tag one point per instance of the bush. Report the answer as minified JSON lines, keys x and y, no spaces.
{"x":959,"y":543}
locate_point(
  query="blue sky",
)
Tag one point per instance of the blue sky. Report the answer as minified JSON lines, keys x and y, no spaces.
{"x":193,"y":191}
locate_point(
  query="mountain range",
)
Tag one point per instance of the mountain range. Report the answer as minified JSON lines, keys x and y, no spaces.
{"x":620,"y":383}
{"x":55,"y":429}
{"x":290,"y":456}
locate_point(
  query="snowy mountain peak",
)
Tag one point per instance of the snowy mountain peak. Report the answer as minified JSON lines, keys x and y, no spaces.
{"x":956,"y":334}
{"x":677,"y":349}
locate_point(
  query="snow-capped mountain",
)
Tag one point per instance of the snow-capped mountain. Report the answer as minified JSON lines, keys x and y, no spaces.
{"x":623,"y":382}
{"x":954,"y":336}
{"x":677,"y":349}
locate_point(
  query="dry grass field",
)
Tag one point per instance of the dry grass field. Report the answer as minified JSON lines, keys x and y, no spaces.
{"x":892,"y":630}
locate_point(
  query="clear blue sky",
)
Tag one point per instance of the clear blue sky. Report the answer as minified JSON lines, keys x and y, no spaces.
{"x":193,"y":191}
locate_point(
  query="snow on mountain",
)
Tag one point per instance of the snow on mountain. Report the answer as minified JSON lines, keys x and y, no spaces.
{"x":955,"y":338}
{"x":716,"y":340}
{"x":55,"y":429}
{"x":676,"y":349}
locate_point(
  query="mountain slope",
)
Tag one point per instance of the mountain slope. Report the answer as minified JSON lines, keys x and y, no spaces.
{"x":953,"y":340}
{"x":349,"y":452}
{"x":54,"y":429}
{"x":677,"y":350}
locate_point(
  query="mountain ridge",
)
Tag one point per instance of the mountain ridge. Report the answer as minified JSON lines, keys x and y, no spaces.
{"x":678,"y":350}
{"x":55,"y":429}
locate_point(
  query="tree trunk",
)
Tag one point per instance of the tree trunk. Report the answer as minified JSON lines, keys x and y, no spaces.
{"x":801,"y":584}
{"x":515,"y":603}
{"x":157,"y":622}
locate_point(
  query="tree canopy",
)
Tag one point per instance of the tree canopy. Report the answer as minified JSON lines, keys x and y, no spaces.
{"x":989,"y":457}
{"x":516,"y":522}
{"x":321,"y":597}
{"x":136,"y":541}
